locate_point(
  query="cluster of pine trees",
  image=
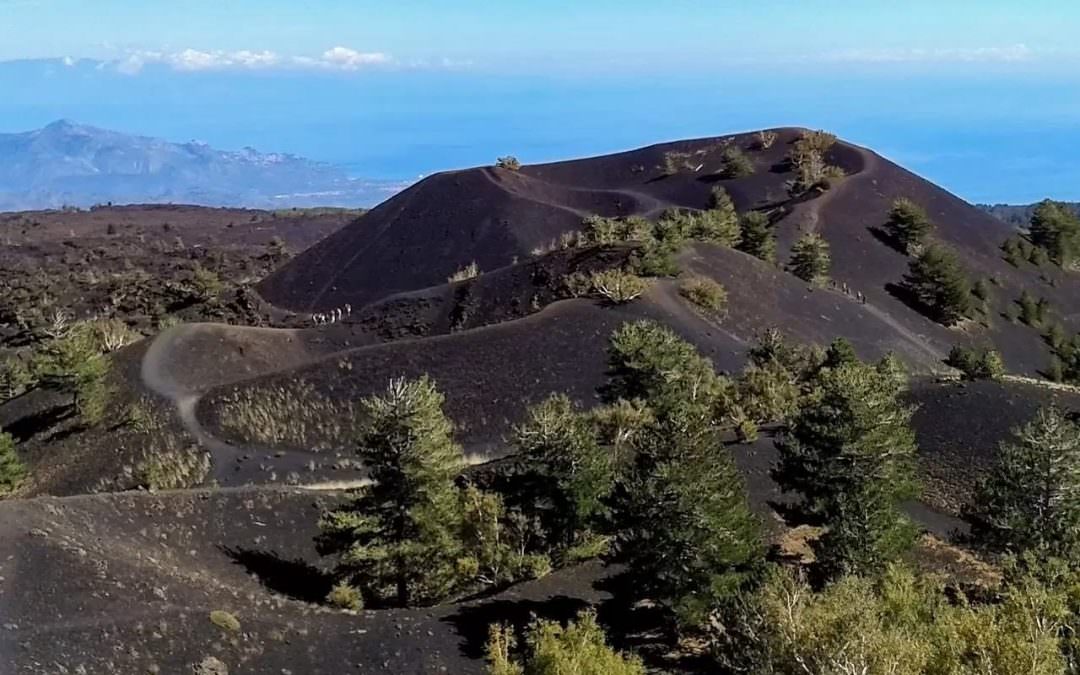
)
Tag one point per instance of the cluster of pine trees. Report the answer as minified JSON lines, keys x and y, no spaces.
{"x":648,"y":479}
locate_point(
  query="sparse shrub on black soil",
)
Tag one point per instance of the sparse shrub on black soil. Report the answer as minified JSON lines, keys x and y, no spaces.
{"x":617,"y":286}
{"x":1010,"y":250}
{"x":708,"y":295}
{"x":226,"y":621}
{"x":849,"y":455}
{"x":736,"y":164}
{"x":807,"y":159}
{"x":908,"y":225}
{"x":810,"y":260}
{"x":763,"y":140}
{"x":470,"y":271}
{"x":1032,"y":312}
{"x":899,"y":621}
{"x":509,"y":163}
{"x":289,"y":414}
{"x":579,"y":648}
{"x":164,"y":469}
{"x":1030,"y":500}
{"x":757,"y":237}
{"x":977,"y":364}
{"x":674,"y":162}
{"x":936,"y":280}
{"x":12,"y":470}
{"x":1056,"y":229}
{"x":344,"y":596}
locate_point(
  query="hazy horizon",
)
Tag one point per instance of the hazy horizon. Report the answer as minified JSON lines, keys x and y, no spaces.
{"x":982,"y":104}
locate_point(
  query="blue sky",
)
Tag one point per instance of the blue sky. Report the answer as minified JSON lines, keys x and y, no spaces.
{"x":598,"y":35}
{"x":965,"y":93}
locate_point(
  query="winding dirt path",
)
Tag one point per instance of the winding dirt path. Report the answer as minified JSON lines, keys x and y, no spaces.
{"x":157,"y":377}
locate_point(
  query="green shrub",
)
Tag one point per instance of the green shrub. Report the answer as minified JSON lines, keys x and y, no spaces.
{"x":902,"y":624}
{"x":976,"y":364}
{"x":12,"y":470}
{"x":509,"y":163}
{"x":225,"y":620}
{"x":1032,"y":312}
{"x":345,"y":596}
{"x":675,"y":162}
{"x":576,"y":285}
{"x":589,"y":545}
{"x":654,"y":260}
{"x":736,"y":164}
{"x":617,"y":286}
{"x":578,"y":649}
{"x":1011,"y":251}
{"x":706,"y":294}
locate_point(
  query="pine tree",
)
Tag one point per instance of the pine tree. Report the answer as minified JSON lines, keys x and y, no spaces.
{"x":12,"y":469}
{"x":691,"y":539}
{"x":1056,"y":229}
{"x":840,"y":352}
{"x":649,"y":362}
{"x":908,"y":224}
{"x":1030,"y":500}
{"x":937,"y":281}
{"x":810,"y":259}
{"x":736,"y":164}
{"x":757,"y":236}
{"x":398,"y":541}
{"x":572,"y":474}
{"x":850,"y":455}
{"x":720,"y":223}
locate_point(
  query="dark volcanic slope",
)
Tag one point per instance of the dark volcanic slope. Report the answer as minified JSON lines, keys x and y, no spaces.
{"x":493,"y":216}
{"x":125,"y":583}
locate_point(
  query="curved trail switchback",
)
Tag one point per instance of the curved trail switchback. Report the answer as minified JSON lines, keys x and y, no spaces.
{"x":157,"y":375}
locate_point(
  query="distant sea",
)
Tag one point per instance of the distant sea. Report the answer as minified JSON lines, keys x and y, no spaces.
{"x":998,"y":138}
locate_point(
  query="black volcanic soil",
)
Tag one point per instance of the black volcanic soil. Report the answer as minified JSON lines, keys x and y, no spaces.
{"x":125,"y":584}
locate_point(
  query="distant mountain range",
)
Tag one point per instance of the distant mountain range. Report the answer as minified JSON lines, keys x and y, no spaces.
{"x":70,"y":164}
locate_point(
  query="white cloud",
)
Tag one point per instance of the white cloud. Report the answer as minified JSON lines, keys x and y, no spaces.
{"x":350,"y":59}
{"x":1007,"y":54}
{"x":194,"y":60}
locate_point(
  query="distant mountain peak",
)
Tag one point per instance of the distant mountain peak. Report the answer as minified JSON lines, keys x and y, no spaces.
{"x":67,"y":163}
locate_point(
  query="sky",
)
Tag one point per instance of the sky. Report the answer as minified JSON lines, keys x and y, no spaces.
{"x":982,"y":97}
